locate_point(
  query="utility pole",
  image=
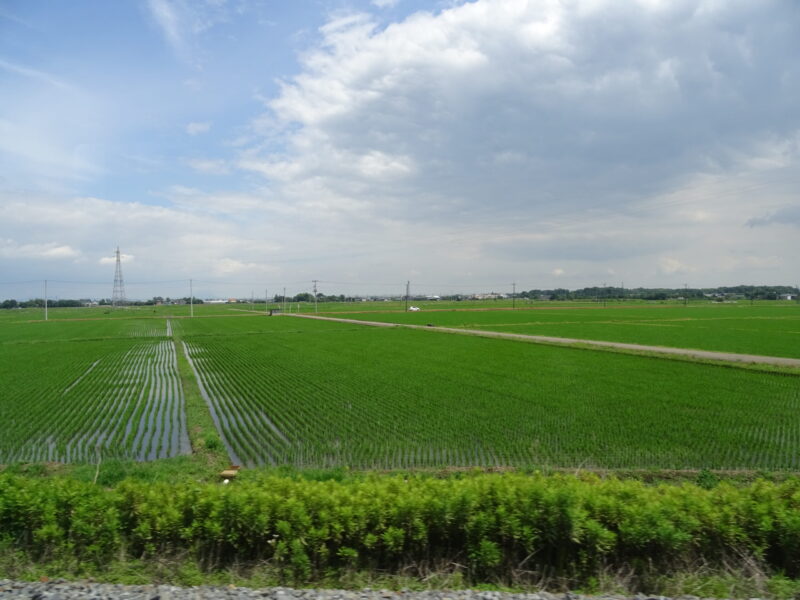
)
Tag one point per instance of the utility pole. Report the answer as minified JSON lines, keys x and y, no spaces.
{"x":408,"y":286}
{"x":315,"y":294}
{"x":45,"y":299}
{"x":514,"y":296}
{"x":266,"y":295}
{"x":686,"y":294}
{"x":252,"y":300}
{"x":284,"y":299}
{"x":191,"y":299}
{"x":605,"y":293}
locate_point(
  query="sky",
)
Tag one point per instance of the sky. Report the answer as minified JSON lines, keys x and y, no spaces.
{"x":252,"y":145}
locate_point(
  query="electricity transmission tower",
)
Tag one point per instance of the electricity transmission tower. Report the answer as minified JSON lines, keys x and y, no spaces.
{"x":118,"y":296}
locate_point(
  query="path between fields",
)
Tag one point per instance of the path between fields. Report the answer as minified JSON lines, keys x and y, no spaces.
{"x":546,"y":339}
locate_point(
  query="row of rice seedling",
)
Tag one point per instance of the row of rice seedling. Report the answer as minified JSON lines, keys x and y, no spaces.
{"x":244,"y":323}
{"x":51,"y":331}
{"x":149,"y":328}
{"x":76,"y":401}
{"x":759,"y":329}
{"x":397,"y":398}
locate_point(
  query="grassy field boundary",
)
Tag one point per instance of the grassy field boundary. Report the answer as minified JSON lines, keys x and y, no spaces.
{"x":206,"y":442}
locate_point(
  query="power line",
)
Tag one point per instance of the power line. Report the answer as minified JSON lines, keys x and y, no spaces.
{"x":248,"y":283}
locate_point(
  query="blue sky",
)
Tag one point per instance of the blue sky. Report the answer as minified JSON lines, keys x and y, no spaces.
{"x":126,"y":96}
{"x":462,"y":145}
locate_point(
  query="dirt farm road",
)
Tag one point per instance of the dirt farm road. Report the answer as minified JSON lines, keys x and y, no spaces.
{"x":545,"y":339}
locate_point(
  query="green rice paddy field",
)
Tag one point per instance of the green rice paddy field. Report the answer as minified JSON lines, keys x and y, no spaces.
{"x":284,"y":390}
{"x":771,"y":329}
{"x":71,"y":390}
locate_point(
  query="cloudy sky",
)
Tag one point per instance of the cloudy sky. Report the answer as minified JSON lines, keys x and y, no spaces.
{"x":252,"y":144}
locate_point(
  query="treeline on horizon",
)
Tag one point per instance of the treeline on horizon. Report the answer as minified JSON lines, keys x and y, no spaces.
{"x":747,"y":292}
{"x":67,"y":303}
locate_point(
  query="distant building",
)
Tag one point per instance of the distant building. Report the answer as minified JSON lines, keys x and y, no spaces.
{"x":787,"y":297}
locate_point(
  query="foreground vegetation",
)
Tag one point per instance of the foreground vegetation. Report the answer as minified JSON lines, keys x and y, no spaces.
{"x":507,"y":529}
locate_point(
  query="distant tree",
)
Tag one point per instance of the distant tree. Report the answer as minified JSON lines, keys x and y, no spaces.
{"x":68,"y":303}
{"x":9,"y":304}
{"x":34,"y":303}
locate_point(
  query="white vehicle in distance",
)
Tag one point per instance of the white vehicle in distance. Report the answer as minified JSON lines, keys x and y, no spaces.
{"x":413,"y":309}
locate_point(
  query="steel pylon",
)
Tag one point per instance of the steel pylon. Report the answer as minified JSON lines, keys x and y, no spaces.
{"x":118,"y":296}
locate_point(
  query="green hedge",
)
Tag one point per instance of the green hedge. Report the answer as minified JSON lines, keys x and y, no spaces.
{"x":496,"y":526}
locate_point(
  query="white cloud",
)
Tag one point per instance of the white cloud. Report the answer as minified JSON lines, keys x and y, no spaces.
{"x":517,"y":102}
{"x":385,"y":3}
{"x":50,"y":145}
{"x":197,"y":128}
{"x":166,"y":16}
{"x":546,"y":134}
{"x":223,"y":203}
{"x":752,"y":261}
{"x":785,"y":215}
{"x":558,"y":272}
{"x":376,"y":164}
{"x":11,"y":249}
{"x":34,"y":74}
{"x":112,"y":260}
{"x":210,"y":166}
{"x":181,"y":21}
{"x":230,"y":266}
{"x":671,"y":266}
{"x":167,"y":243}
